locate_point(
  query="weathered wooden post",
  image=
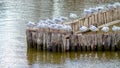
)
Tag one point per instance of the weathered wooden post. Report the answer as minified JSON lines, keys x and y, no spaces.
{"x":49,"y":41}
{"x":95,"y":18}
{"x":85,"y":42}
{"x":90,"y":21}
{"x":44,"y":40}
{"x":67,"y":42}
{"x":71,"y":41}
{"x":28,"y":38}
{"x":75,"y":43}
{"x":34,"y":38}
{"x":79,"y":42}
{"x":40,"y":39}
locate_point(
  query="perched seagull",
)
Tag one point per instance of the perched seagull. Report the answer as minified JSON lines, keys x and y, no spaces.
{"x":100,"y":8}
{"x":30,"y":24}
{"x":105,"y":29}
{"x":116,"y":5}
{"x":41,"y":21}
{"x":49,"y":21}
{"x":115,"y":28}
{"x":56,"y":20}
{"x":41,"y":25}
{"x":110,"y":6}
{"x":93,"y":10}
{"x":63,"y":18}
{"x":59,"y":26}
{"x":87,"y":11}
{"x":69,"y":27}
{"x":93,"y":28}
{"x":72,"y":15}
{"x":83,"y":28}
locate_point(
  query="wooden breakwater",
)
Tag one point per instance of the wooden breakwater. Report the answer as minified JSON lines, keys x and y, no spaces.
{"x":62,"y":41}
{"x":55,"y":39}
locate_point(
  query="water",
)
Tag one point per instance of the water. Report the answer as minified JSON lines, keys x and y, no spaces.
{"x":13,"y":48}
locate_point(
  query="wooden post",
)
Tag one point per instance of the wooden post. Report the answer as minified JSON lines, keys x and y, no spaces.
{"x":86,"y":22}
{"x":63,"y":43}
{"x":105,"y":18}
{"x":118,"y":13}
{"x":44,"y":41}
{"x":98,"y":18}
{"x":108,"y":12}
{"x":90,"y":21}
{"x":28,"y":38}
{"x":95,"y":18}
{"x":34,"y":39}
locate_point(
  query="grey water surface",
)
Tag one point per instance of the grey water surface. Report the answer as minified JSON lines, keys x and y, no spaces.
{"x":13,"y":48}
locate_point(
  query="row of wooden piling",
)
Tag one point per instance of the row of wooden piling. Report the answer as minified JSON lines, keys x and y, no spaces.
{"x":62,"y":42}
{"x":97,"y":19}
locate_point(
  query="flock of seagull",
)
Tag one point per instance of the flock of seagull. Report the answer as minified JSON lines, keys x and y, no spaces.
{"x":58,"y":23}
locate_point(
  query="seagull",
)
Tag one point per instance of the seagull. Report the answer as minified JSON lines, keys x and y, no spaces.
{"x":30,"y":24}
{"x":41,"y":25}
{"x":41,"y":21}
{"x":116,"y":5}
{"x":110,"y":6}
{"x":105,"y":29}
{"x":93,"y":28}
{"x":63,"y":18}
{"x":56,"y":20}
{"x":87,"y":11}
{"x":69,"y":28}
{"x":59,"y":26}
{"x":100,"y":8}
{"x":72,"y":15}
{"x":93,"y":10}
{"x":115,"y":28}
{"x":49,"y":21}
{"x":83,"y":28}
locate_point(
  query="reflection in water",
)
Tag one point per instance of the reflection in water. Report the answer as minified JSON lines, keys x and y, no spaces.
{"x":13,"y":49}
{"x":79,"y":59}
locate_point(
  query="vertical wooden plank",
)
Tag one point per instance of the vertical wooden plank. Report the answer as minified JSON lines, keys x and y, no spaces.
{"x":78,"y":25}
{"x":44,"y":42}
{"x":29,"y":38}
{"x":103,"y":18}
{"x":116,"y":16}
{"x":86,"y":22}
{"x":98,"y":18}
{"x":95,"y":18}
{"x":89,"y":21}
{"x":108,"y":16}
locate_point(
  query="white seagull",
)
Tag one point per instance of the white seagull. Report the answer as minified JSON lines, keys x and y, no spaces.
{"x":105,"y":29}
{"x":93,"y":10}
{"x":115,"y":28}
{"x":116,"y":5}
{"x":100,"y":8}
{"x":63,"y":18}
{"x":93,"y":28}
{"x":56,"y":20}
{"x":49,"y":21}
{"x":72,"y":15}
{"x":30,"y":24}
{"x":83,"y":28}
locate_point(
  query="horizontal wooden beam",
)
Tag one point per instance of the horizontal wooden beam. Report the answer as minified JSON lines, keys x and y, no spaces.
{"x":108,"y":24}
